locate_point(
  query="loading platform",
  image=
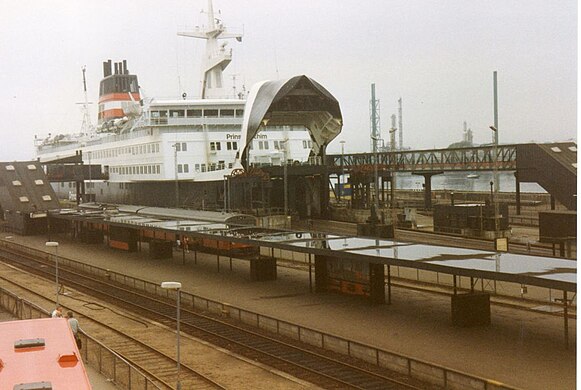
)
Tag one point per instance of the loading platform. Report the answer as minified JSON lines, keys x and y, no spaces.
{"x":345,"y":264}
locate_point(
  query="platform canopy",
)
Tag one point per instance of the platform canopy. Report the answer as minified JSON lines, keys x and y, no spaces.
{"x":548,"y":272}
{"x":298,"y":101}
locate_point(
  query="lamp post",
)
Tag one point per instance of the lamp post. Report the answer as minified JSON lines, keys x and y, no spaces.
{"x":175,"y":160}
{"x":90,"y":179}
{"x":55,"y":245}
{"x":176,"y":286}
{"x":342,"y":181}
{"x":225,"y":193}
{"x":495,"y":170}
{"x":285,"y":176}
{"x":376,"y":175}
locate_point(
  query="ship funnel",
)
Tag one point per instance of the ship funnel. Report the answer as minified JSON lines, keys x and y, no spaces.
{"x":106,"y":68}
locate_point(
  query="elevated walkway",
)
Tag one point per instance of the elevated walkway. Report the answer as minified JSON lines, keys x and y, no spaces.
{"x":553,"y":166}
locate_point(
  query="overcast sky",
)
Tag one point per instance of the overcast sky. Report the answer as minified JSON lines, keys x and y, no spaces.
{"x":437,"y":56}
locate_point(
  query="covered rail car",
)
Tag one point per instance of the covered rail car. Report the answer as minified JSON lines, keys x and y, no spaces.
{"x":40,"y":354}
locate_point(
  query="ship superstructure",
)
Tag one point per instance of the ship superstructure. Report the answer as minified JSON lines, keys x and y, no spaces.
{"x":141,"y":139}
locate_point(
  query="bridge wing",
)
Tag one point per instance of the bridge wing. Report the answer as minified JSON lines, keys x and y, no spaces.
{"x":296,"y":101}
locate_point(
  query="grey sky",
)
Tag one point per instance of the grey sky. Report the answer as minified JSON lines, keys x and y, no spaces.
{"x":438,"y":56}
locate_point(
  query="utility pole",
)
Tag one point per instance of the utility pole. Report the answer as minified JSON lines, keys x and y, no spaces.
{"x":495,"y":134}
{"x":175,"y":159}
{"x":342,"y":181}
{"x":90,"y":179}
{"x":400,"y":114}
{"x":285,"y":177}
{"x":392,"y":164}
{"x":375,"y":137}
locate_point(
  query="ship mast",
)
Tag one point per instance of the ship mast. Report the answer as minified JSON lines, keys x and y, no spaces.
{"x":87,"y":126}
{"x":216,"y":58}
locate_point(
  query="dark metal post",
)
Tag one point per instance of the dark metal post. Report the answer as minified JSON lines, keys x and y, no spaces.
{"x":454,"y":284}
{"x":48,"y":225}
{"x":566,"y":318}
{"x":389,"y":285}
{"x":218,"y":254}
{"x":517,"y":193}
{"x":496,"y":179}
{"x":310,"y":275}
{"x":179,"y":384}
{"x":183,"y":241}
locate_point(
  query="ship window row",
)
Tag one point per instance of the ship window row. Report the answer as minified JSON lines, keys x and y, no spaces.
{"x":126,"y":150}
{"x":152,"y":169}
{"x":261,"y":145}
{"x":160,"y":115}
{"x":212,"y":167}
{"x":278,"y":145}
{"x":230,"y":145}
{"x":181,"y":146}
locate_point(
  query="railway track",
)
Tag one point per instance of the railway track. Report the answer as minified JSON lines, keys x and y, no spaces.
{"x":154,"y":362}
{"x":321,"y":367}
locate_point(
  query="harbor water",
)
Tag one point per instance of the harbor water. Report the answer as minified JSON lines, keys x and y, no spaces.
{"x":459,"y":181}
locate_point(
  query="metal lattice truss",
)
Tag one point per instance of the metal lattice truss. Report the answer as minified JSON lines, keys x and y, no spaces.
{"x":460,"y":159}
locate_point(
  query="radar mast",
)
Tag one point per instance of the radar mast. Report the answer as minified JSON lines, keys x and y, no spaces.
{"x":217,"y":57}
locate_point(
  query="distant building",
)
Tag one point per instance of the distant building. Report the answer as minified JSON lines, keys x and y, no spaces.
{"x":467,"y":139}
{"x":471,"y":220}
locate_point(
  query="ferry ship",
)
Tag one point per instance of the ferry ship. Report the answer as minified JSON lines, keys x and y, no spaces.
{"x":147,"y":145}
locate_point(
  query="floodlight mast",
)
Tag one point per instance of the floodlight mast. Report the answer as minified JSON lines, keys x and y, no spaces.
{"x":176,"y":286}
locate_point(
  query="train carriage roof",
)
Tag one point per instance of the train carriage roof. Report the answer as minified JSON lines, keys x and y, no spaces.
{"x":40,"y":350}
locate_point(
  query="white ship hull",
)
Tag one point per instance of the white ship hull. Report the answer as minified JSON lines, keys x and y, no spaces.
{"x":175,"y":140}
{"x":180,"y":151}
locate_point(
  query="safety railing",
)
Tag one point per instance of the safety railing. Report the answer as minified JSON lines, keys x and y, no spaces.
{"x":414,"y":368}
{"x":94,"y":354}
{"x":523,"y":221}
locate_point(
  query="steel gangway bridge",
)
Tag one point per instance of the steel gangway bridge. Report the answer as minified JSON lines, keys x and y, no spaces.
{"x":479,"y":158}
{"x":553,"y":166}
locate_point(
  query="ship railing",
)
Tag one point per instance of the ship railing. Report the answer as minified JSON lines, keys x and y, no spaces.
{"x":194,"y":121}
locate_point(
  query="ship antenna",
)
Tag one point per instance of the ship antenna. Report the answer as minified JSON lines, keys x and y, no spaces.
{"x":87,"y":127}
{"x":234,"y":83}
{"x":217,"y":57}
{"x":276,"y":64}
